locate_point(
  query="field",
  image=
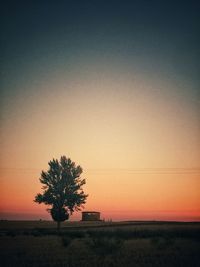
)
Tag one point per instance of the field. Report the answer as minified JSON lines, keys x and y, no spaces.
{"x":95,"y":244}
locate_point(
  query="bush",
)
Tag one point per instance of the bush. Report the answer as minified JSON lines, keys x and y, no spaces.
{"x":66,"y":241}
{"x":11,"y":233}
{"x":104,"y":246}
{"x":162,"y":242}
{"x":75,"y":234}
{"x":36,"y":233}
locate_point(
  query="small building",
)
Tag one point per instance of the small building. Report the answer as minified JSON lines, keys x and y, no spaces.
{"x":91,"y":216}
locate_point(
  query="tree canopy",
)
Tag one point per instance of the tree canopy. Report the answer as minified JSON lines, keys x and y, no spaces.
{"x":62,"y":189}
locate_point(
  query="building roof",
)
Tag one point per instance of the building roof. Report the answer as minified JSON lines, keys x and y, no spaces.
{"x":90,"y":212}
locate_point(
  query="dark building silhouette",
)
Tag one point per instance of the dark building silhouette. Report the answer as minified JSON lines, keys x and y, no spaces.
{"x":90,"y":216}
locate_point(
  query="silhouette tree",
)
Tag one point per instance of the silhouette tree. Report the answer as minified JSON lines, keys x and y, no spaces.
{"x":62,"y":189}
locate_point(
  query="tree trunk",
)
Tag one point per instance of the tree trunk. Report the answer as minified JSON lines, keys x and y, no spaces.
{"x":58,"y":226}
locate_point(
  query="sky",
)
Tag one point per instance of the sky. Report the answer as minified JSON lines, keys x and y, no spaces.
{"x":114,"y":85}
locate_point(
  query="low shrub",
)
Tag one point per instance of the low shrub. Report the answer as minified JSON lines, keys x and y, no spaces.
{"x":104,"y":246}
{"x":75,"y":234}
{"x":66,"y":241}
{"x":11,"y":233}
{"x":162,"y":242}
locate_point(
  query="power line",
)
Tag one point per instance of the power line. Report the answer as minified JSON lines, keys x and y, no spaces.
{"x":194,"y":170}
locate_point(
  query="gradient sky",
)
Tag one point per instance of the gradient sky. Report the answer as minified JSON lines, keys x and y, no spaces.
{"x":114,"y":85}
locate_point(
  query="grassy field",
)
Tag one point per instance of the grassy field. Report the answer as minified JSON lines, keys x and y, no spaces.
{"x":37,"y":243}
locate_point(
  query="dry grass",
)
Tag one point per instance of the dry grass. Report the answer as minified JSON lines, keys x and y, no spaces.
{"x":125,"y":245}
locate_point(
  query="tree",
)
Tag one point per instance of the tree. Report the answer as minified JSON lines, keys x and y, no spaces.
{"x":62,"y":189}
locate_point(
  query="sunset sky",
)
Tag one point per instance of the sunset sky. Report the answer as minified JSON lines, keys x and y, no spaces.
{"x":114,"y":85}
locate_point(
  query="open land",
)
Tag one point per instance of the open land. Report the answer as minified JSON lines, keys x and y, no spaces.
{"x":95,"y":244}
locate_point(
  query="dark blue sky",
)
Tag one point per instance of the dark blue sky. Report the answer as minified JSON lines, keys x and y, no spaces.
{"x":163,"y":35}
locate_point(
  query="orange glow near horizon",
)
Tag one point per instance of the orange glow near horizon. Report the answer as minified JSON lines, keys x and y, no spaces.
{"x":117,"y":194}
